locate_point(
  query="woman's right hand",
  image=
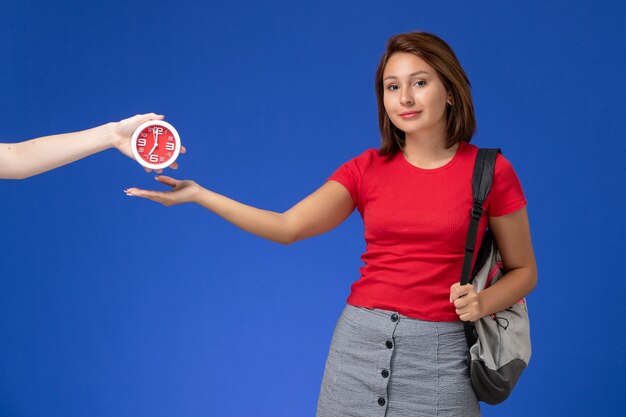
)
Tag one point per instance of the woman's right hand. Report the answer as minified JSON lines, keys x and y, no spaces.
{"x":183,"y":191}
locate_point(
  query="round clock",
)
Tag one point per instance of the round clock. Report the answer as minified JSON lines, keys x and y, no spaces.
{"x":155,"y":144}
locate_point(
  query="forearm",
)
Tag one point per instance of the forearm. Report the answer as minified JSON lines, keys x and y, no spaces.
{"x":28,"y":158}
{"x":508,"y":290}
{"x":319,"y":212}
{"x":263,"y":223}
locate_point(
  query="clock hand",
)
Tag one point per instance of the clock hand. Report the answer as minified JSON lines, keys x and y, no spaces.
{"x":154,"y":147}
{"x":156,"y":132}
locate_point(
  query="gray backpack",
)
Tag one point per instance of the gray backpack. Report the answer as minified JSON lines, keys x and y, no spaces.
{"x":499,"y":344}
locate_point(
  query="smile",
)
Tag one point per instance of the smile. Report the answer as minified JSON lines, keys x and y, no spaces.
{"x":410,"y":115}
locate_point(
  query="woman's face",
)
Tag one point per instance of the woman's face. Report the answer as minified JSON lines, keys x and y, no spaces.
{"x":414,"y":96}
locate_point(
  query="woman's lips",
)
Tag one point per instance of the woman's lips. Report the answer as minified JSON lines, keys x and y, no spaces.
{"x":411,"y":114}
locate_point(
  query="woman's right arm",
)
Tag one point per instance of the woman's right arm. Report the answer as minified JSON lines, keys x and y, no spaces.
{"x":319,"y":212}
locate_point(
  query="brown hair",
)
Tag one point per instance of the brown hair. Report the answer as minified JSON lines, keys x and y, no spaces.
{"x":460,"y":120}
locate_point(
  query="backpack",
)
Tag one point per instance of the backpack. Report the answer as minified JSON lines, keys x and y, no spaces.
{"x":499,"y":344}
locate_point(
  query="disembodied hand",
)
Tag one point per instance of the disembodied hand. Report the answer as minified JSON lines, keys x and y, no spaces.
{"x":123,"y":132}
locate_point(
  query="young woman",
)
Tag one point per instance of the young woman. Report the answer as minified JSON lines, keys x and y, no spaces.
{"x":25,"y":159}
{"x":399,"y":348}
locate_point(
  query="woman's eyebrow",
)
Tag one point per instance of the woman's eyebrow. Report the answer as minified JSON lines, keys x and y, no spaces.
{"x":393,"y":77}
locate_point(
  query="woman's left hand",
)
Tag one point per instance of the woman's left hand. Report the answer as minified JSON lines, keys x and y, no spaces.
{"x":466,"y":301}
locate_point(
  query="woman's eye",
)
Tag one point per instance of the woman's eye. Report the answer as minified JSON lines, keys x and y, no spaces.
{"x":421,"y":83}
{"x":392,"y":87}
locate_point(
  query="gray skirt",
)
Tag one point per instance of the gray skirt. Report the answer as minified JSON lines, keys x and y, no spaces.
{"x":382,"y":363}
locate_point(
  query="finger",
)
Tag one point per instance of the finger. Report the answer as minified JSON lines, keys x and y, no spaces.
{"x":469,"y":291}
{"x":164,"y":179}
{"x":183,"y":149}
{"x":463,"y":290}
{"x":465,"y":311}
{"x":174,"y":165}
{"x":147,"y":169}
{"x":137,"y":192}
{"x":158,"y":171}
{"x":151,"y":116}
{"x":460,"y":303}
{"x":454,"y":290}
{"x":465,"y":317}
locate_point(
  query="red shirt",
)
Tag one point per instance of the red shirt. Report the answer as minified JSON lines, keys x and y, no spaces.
{"x":416,"y":223}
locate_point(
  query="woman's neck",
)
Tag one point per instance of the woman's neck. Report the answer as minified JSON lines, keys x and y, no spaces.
{"x":428,"y":151}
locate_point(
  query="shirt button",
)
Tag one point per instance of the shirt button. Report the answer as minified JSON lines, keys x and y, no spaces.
{"x":381,"y":401}
{"x":394,"y":317}
{"x":388,"y":344}
{"x":385,"y":373}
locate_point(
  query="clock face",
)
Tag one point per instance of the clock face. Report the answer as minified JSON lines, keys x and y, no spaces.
{"x":155,"y":144}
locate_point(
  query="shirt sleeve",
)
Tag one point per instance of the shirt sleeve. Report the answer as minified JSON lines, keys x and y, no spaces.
{"x":350,"y":174}
{"x":506,"y":195}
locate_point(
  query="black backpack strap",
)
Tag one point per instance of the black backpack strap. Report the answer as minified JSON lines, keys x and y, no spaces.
{"x":481,"y":184}
{"x":484,"y":168}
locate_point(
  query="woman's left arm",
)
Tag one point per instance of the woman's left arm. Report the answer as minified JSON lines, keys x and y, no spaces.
{"x":512,"y":232}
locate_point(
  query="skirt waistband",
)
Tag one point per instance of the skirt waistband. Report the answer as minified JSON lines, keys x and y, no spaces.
{"x":377,"y":318}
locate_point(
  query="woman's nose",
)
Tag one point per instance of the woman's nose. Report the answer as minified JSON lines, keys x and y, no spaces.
{"x":406,"y":99}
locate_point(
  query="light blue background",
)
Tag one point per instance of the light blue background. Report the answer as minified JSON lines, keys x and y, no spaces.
{"x":114,"y":306}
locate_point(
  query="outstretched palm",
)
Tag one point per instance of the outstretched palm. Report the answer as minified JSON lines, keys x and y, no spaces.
{"x":183,"y":191}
